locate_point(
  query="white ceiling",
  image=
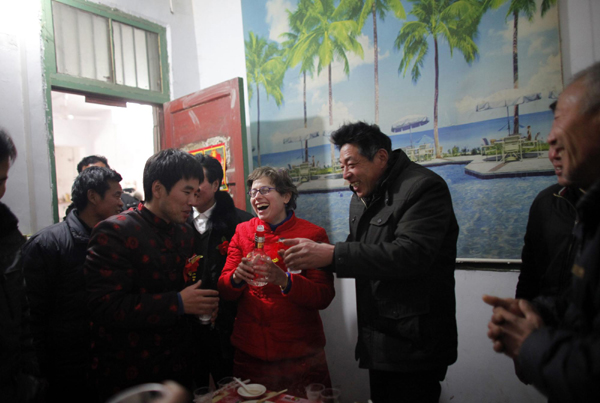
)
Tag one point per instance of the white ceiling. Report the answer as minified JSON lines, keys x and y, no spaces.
{"x":71,"y":106}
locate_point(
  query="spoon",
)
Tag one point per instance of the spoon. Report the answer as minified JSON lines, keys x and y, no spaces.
{"x":242,"y":384}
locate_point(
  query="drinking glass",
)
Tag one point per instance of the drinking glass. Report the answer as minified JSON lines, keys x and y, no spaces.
{"x":313,"y":391}
{"x":331,"y":395}
{"x":203,"y":395}
{"x":227,"y":383}
{"x":146,"y":392}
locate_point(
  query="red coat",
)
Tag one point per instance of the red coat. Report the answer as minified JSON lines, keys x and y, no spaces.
{"x":270,"y":325}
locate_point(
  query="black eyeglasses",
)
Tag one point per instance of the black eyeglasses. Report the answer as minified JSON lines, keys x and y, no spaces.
{"x":263,"y":191}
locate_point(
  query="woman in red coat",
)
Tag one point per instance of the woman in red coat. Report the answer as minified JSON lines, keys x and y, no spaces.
{"x":278,"y":333}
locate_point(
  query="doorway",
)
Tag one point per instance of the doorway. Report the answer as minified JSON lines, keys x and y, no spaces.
{"x":125,"y":135}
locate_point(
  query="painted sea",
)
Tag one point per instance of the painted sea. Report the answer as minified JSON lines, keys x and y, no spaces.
{"x":492,"y":214}
{"x":467,"y":136}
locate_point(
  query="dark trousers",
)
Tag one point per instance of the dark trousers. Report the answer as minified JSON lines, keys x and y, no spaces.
{"x":212,"y":355}
{"x":406,"y":387}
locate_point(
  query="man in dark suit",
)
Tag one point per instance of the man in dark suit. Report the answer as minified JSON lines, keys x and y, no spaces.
{"x":214,"y":220}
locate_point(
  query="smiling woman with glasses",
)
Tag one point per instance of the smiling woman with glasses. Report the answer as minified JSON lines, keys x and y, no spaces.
{"x":278,"y":335}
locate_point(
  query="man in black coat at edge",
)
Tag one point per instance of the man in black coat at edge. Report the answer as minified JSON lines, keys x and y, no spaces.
{"x":53,"y":262}
{"x":214,"y":220}
{"x":556,"y":341}
{"x":401,"y":250}
{"x":19,"y":369}
{"x":549,"y":247}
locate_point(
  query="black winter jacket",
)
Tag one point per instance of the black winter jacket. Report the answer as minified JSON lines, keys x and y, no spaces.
{"x":402,"y":250}
{"x":562,"y":358}
{"x":53,"y":262}
{"x":18,"y":364}
{"x":550,"y":245}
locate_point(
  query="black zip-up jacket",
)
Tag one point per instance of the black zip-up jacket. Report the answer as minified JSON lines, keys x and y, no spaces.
{"x":53,"y":262}
{"x":562,"y":358}
{"x":18,"y":364}
{"x":402,"y":251}
{"x":550,"y":245}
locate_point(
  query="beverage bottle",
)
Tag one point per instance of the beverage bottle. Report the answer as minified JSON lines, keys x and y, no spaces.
{"x":258,"y":256}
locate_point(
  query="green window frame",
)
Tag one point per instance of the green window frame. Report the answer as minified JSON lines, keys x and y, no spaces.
{"x":69,"y":83}
{"x":79,"y":84}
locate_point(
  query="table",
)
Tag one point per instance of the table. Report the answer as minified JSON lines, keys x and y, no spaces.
{"x":231,"y":396}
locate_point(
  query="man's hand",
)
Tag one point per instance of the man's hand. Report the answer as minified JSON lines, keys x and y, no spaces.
{"x":306,"y":254}
{"x":199,"y":302}
{"x":511,"y":323}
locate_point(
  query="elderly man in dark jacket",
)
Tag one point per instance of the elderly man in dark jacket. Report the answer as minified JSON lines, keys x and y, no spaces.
{"x":556,"y":341}
{"x":401,"y":250}
{"x":215,"y":218}
{"x":53,"y":263}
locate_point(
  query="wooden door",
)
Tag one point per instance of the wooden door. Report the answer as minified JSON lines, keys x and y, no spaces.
{"x":213,"y":120}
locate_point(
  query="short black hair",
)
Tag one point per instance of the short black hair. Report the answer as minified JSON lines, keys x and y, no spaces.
{"x":93,"y":178}
{"x":169,"y":167}
{"x":212,"y":168}
{"x":7,"y":147}
{"x":91,"y":159}
{"x":367,"y":138}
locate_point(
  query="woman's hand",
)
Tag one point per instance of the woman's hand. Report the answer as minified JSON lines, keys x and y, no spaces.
{"x":244,"y":272}
{"x":272,"y":274}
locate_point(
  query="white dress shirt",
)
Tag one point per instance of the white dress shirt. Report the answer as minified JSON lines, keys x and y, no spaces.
{"x":200,"y":219}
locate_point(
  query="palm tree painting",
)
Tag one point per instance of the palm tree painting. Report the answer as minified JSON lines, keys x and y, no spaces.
{"x":528,"y":8}
{"x":330,"y":62}
{"x":361,"y":9}
{"x":264,"y":67}
{"x":330,"y":36}
{"x":454,"y":21}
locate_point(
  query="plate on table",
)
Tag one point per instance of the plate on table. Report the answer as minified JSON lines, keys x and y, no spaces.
{"x":254,"y":390}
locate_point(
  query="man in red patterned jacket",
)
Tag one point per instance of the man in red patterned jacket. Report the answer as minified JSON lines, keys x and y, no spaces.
{"x":135,"y":282}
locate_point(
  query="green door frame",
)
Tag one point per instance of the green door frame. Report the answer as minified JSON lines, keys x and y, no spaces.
{"x":67,"y":83}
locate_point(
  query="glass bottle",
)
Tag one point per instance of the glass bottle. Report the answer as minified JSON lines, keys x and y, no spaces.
{"x":258,"y":256}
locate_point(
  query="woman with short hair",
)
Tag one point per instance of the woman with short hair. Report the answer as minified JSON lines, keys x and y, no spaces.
{"x":278,"y":334}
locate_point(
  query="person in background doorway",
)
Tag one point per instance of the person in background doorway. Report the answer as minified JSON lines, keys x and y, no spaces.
{"x":555,"y":341}
{"x":134,"y":273}
{"x":214,"y":219}
{"x":402,"y":251}
{"x":19,"y":370}
{"x":53,"y":262}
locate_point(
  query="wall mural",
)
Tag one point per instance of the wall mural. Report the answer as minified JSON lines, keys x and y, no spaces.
{"x":462,"y":86}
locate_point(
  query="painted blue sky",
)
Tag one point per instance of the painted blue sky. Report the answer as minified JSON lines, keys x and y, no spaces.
{"x":461,"y":86}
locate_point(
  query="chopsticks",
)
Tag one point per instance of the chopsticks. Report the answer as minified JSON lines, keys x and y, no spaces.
{"x":271,"y":395}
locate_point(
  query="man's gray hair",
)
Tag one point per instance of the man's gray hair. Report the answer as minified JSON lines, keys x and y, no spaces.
{"x":591,"y":81}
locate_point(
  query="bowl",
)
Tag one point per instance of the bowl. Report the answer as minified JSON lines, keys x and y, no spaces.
{"x":253,"y":390}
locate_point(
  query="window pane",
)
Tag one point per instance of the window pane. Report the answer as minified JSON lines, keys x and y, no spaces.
{"x":137,"y":58}
{"x":153,"y":61}
{"x":81,"y":43}
{"x":141,"y":58}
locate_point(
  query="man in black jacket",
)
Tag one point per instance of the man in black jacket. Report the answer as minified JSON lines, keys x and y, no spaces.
{"x":100,"y":161}
{"x":53,"y":264}
{"x":18,"y":364}
{"x":556,"y":341}
{"x":214,"y":220}
{"x":401,"y":250}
